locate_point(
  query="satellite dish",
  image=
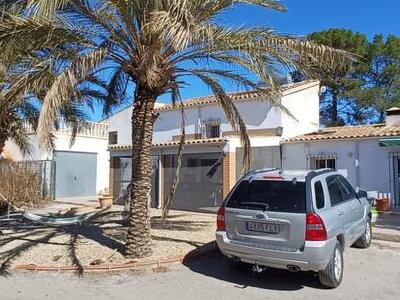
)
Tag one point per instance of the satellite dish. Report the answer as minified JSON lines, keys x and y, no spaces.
{"x":322,"y":89}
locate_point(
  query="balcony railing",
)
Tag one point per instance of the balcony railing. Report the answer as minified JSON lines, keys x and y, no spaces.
{"x":90,"y":129}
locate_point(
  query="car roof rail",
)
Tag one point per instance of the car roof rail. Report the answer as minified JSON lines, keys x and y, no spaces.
{"x":314,"y":173}
{"x":258,"y":171}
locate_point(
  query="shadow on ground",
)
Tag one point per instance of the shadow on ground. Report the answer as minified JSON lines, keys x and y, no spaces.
{"x":214,"y":264}
{"x":107,"y":228}
{"x":22,"y":235}
{"x":389,"y":220}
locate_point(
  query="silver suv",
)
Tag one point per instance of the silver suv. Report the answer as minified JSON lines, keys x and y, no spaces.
{"x":295,"y":220}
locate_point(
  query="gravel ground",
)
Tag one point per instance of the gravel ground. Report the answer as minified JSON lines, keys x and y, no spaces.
{"x":101,"y":240}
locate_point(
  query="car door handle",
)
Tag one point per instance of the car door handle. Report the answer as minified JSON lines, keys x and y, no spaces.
{"x":353,"y":208}
{"x":340,"y":212}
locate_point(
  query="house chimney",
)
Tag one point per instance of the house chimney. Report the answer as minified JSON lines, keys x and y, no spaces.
{"x":393,"y":116}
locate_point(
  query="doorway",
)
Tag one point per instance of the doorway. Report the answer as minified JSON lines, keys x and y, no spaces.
{"x":394,"y":172}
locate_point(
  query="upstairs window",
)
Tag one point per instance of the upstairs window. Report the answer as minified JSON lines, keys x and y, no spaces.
{"x":212,"y":129}
{"x":113,"y":138}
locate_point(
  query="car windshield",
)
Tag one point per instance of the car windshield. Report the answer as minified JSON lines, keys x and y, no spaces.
{"x":283,"y":196}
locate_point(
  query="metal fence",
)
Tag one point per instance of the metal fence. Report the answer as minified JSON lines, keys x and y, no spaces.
{"x":45,"y":171}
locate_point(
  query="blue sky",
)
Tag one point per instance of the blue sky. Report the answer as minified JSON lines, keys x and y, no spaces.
{"x":306,"y":16}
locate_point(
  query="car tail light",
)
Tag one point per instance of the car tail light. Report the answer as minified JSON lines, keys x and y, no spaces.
{"x":315,"y":228}
{"x":221,"y":219}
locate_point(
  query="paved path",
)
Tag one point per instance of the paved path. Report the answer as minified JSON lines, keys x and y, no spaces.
{"x":388,"y":226}
{"x":373,"y":273}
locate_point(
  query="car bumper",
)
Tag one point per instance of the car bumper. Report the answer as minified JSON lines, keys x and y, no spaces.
{"x":315,"y":255}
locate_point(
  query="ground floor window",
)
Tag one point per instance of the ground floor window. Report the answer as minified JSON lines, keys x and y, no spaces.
{"x":322,"y":161}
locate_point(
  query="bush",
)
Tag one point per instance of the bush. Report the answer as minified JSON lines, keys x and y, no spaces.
{"x":21,"y":184}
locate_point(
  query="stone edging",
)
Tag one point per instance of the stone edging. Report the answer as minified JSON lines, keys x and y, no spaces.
{"x":134,"y":266}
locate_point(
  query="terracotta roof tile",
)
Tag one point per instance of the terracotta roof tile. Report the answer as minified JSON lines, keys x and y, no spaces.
{"x":348,"y":132}
{"x":175,"y":143}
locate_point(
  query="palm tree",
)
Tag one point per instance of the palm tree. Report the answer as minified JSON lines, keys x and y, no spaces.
{"x":26,"y":73}
{"x":23,"y":87}
{"x":155,"y":46}
{"x":12,"y":122}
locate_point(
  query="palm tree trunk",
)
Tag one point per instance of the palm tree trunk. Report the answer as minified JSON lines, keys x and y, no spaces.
{"x":2,"y":143}
{"x":334,"y":110}
{"x":138,"y":240}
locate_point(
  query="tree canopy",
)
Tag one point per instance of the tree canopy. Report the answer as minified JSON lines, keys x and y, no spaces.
{"x":362,"y":92}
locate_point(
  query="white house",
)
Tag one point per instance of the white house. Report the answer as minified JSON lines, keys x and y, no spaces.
{"x":77,"y":170}
{"x":369,"y":153}
{"x":212,"y":153}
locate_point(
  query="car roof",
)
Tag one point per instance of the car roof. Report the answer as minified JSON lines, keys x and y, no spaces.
{"x":287,"y":175}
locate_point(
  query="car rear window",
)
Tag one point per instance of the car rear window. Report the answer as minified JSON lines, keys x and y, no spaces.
{"x":282,"y":196}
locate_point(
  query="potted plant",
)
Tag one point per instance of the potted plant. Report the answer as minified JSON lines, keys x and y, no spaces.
{"x":383,"y":204}
{"x":105,"y":200}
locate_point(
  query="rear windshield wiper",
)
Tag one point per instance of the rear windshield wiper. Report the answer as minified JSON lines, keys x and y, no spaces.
{"x":263,"y":205}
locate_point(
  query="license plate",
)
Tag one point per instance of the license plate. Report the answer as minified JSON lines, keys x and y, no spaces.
{"x":263,"y":227}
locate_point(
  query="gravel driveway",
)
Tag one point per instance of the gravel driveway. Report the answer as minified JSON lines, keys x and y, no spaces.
{"x":372,"y":273}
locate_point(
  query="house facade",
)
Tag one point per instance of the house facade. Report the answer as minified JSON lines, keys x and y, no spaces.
{"x":80,"y":170}
{"x":369,"y":154}
{"x":212,"y":157}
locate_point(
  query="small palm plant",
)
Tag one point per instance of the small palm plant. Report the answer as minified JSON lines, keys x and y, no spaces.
{"x":155,"y":46}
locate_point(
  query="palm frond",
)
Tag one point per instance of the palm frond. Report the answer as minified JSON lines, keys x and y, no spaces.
{"x":232,"y":115}
{"x":63,"y":88}
{"x":174,"y":186}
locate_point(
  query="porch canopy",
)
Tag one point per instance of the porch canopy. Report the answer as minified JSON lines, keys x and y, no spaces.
{"x":395,"y":141}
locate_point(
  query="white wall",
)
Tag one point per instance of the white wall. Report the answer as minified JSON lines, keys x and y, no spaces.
{"x":62,"y":143}
{"x":302,"y":101}
{"x":372,"y":172}
{"x":256,"y":114}
{"x":121,"y":122}
{"x":304,"y":106}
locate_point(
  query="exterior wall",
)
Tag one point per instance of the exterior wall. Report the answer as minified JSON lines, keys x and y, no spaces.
{"x":256,"y":114}
{"x":367,"y":163}
{"x":121,"y":122}
{"x":62,"y":143}
{"x":304,"y":106}
{"x":375,"y":166}
{"x":226,"y":175}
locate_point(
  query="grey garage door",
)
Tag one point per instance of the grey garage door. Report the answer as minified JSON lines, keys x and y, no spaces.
{"x":75,"y":174}
{"x":200,"y":182}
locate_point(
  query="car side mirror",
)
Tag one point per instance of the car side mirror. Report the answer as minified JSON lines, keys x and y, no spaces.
{"x":362,"y":194}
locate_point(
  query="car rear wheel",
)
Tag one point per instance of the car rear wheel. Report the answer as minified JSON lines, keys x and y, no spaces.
{"x":365,"y":240}
{"x":332,"y":275}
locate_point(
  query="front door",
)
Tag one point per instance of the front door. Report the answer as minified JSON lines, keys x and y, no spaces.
{"x":397,"y":181}
{"x":155,"y":180}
